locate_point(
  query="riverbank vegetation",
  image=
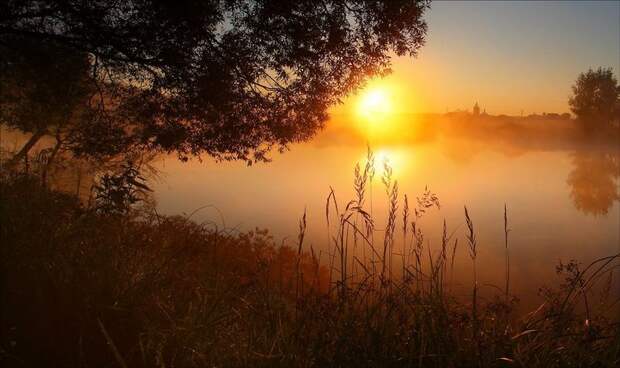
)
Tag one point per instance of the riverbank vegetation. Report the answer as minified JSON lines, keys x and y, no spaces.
{"x":96,"y":286}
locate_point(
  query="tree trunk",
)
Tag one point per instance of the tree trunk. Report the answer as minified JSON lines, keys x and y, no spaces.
{"x":50,"y":160}
{"x":26,"y":148}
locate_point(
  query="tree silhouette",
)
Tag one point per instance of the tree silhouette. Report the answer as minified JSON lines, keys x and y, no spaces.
{"x":232,"y":79}
{"x":595,"y":99}
{"x":47,"y":90}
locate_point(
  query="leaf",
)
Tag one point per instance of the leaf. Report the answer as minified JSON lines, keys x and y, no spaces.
{"x":524,"y":333}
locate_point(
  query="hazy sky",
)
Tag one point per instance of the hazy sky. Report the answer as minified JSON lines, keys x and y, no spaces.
{"x":508,"y":56}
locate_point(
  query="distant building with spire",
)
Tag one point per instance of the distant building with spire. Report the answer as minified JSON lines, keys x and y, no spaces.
{"x":476,"y":109}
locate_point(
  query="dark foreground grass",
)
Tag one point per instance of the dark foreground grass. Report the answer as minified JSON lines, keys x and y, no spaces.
{"x":86,"y":288}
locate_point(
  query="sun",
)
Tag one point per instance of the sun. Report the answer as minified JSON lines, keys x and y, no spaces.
{"x":373,"y":102}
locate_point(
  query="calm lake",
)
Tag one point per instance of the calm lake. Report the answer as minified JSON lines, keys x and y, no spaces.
{"x":561,"y":190}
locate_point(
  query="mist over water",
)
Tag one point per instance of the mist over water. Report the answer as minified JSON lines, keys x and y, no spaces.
{"x":561,"y":189}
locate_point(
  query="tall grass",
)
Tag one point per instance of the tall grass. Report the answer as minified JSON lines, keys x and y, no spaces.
{"x":82,"y":287}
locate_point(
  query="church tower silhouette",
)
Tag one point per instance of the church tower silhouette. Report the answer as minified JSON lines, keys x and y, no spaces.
{"x":476,"y":109}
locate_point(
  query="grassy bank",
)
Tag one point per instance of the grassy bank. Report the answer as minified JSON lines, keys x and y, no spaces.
{"x":86,"y":287}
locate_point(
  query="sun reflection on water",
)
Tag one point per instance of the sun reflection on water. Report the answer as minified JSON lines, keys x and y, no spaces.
{"x":399,"y":159}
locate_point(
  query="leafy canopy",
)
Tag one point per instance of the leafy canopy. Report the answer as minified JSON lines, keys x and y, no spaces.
{"x":596,"y":96}
{"x":230,"y":78}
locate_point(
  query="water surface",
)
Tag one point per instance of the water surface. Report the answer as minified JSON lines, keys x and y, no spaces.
{"x":561,"y":190}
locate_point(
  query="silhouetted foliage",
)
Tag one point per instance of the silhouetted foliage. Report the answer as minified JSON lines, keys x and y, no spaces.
{"x":78,"y":286}
{"x":47,"y":90}
{"x":229,"y":78}
{"x":596,"y":98}
{"x":43,"y":91}
{"x":117,"y":192}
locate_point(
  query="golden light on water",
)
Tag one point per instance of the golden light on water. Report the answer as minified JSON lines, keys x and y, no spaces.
{"x":399,"y":159}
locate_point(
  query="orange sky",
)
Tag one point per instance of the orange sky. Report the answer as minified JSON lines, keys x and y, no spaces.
{"x":508,"y":56}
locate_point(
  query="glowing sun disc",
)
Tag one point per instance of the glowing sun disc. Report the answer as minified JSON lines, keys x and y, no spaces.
{"x":373,"y":102}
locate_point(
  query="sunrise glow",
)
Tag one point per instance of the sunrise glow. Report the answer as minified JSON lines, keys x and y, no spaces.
{"x":374,"y":101}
